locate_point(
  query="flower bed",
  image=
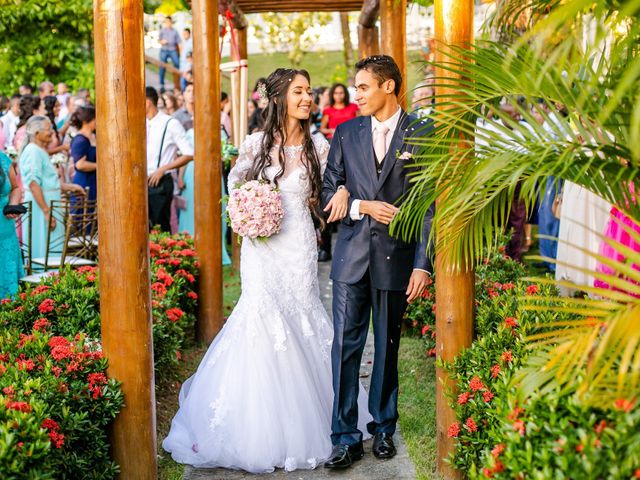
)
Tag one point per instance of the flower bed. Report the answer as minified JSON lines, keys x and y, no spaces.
{"x":500,"y":435}
{"x":57,"y":398}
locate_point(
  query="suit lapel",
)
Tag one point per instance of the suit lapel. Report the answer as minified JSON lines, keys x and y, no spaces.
{"x":396,"y":145}
{"x":366,"y":144}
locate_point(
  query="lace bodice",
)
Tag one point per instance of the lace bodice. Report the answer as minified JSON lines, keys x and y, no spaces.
{"x":250,"y":149}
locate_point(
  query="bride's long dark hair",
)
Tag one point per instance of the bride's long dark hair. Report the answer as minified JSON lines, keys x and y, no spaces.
{"x":275,"y":117}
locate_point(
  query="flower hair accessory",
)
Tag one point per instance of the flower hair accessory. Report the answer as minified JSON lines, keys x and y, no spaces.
{"x":262,"y":91}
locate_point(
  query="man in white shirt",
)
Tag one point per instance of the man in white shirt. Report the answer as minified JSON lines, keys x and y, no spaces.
{"x":10,"y":120}
{"x":167,"y":150}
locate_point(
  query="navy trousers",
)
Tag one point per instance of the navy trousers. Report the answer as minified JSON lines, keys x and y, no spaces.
{"x":354,"y":305}
{"x":165,"y":55}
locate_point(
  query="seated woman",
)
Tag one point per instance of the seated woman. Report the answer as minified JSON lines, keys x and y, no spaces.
{"x":10,"y":258}
{"x":42,"y":184}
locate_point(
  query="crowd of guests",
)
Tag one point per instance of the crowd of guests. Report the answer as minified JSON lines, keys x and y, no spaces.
{"x":47,"y":147}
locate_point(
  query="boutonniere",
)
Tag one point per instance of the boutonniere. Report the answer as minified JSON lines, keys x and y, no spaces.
{"x":405,"y":156}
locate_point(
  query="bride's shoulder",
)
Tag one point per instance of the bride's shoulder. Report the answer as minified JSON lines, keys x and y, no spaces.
{"x":252,"y":142}
{"x":321,"y":143}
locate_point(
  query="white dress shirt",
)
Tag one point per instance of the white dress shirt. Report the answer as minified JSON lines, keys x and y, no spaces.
{"x":175,"y":140}
{"x":391,"y":123}
{"x":9,"y":125}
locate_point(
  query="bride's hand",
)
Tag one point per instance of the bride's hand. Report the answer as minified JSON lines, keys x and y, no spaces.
{"x":338,"y":205}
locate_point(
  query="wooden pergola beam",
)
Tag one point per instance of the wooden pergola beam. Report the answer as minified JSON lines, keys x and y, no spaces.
{"x":368,"y":34}
{"x":393,"y":26}
{"x":369,"y":13}
{"x":257,"y":6}
{"x":208,"y":167}
{"x":454,"y":288}
{"x":125,"y":298}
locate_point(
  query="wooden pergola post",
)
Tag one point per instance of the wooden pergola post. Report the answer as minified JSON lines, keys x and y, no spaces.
{"x":125,"y":299}
{"x":393,"y":26}
{"x":368,"y":35}
{"x":454,"y":288}
{"x":208,"y":167}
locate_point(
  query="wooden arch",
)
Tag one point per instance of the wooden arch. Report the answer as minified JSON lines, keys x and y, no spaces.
{"x":125,"y":299}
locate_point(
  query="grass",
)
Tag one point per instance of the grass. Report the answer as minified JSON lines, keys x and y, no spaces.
{"x":167,"y":389}
{"x":417,"y":405}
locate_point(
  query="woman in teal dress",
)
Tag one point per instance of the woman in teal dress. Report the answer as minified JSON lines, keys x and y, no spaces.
{"x":10,"y":257}
{"x":186,"y":221}
{"x":42,"y":185}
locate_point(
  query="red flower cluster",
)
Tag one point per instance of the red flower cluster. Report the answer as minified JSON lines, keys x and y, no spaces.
{"x":624,"y":404}
{"x":163,"y":276}
{"x":40,"y":324}
{"x":506,"y":357}
{"x":192,"y":295}
{"x":40,"y":289}
{"x":19,"y":406}
{"x":57,"y":438}
{"x":511,"y":322}
{"x":476,"y":384}
{"x":46,"y":306}
{"x":174,"y":314}
{"x":96,"y":381}
{"x":454,"y":430}
{"x":471,"y":425}
{"x":425,"y":330}
{"x":463,"y":398}
{"x":495,"y":371}
{"x":487,"y":396}
{"x":532,"y":289}
{"x":61,"y":348}
{"x":23,"y":363}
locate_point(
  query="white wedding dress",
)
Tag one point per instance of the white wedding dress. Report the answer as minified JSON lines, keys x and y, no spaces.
{"x":262,"y":396}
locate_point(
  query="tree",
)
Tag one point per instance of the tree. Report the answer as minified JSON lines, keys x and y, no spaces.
{"x":346,"y":41}
{"x":292,"y":32}
{"x":596,"y":77}
{"x":46,"y":40}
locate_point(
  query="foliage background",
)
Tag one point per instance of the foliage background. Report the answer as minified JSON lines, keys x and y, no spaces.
{"x":46,"y":40}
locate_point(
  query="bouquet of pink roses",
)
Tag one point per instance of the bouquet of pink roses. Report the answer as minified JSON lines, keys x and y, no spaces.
{"x":255,"y":210}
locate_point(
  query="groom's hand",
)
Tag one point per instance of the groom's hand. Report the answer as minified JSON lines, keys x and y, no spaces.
{"x":339,"y":204}
{"x":417,"y":284}
{"x":382,"y":212}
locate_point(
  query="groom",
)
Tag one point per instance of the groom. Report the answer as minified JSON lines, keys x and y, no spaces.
{"x":374,"y":275}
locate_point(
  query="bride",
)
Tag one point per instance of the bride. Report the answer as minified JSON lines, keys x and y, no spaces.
{"x":262,"y":396}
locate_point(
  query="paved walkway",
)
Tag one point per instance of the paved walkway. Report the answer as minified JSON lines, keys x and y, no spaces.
{"x":369,"y":468}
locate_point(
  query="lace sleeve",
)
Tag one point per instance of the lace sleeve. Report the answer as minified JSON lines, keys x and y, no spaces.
{"x":322,"y":149}
{"x":246,"y":155}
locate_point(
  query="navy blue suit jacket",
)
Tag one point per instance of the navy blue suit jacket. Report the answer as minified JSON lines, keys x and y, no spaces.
{"x":366,"y":244}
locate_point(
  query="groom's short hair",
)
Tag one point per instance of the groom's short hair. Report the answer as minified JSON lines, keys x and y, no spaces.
{"x":383,"y":68}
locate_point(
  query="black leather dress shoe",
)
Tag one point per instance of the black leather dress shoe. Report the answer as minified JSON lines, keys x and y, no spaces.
{"x":383,"y":446}
{"x":343,"y":456}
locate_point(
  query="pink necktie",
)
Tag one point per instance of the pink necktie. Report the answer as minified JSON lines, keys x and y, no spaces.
{"x":380,"y":141}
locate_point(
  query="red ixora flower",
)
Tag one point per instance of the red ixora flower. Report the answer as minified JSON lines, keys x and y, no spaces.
{"x":511,"y":322}
{"x":8,"y":391}
{"x":599,"y":428}
{"x":532,"y":289}
{"x":464,"y":398}
{"x":508,"y":286}
{"x":487,"y":396}
{"x":61,"y":348}
{"x":19,"y":406}
{"x":518,"y":426}
{"x":495,"y":371}
{"x":624,"y":404}
{"x":454,"y":430}
{"x":431,"y":352}
{"x":40,"y":289}
{"x":497,"y":450}
{"x":40,"y":324}
{"x":471,"y":425}
{"x":192,"y":295}
{"x":425,"y":330}
{"x":174,"y":314}
{"x":476,"y":384}
{"x":46,"y":306}
{"x":507,"y":356}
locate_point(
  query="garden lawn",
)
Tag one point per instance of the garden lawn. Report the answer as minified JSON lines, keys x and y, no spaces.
{"x":417,"y":405}
{"x":167,"y":391}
